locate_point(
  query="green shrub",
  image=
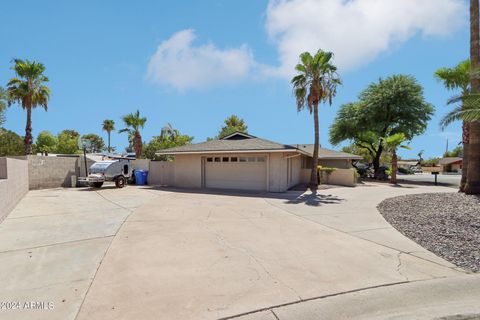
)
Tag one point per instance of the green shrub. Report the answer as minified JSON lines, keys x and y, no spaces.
{"x":324,"y":173}
{"x":11,"y":144}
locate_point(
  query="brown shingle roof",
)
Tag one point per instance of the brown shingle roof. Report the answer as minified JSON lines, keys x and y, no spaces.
{"x":248,"y":143}
{"x":326,"y":153}
{"x":251,"y":144}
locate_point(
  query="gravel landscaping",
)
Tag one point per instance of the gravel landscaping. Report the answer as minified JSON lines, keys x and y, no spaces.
{"x":447,"y":224}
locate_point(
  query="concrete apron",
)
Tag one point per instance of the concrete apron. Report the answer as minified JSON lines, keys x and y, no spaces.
{"x":51,"y":245}
{"x":210,"y":256}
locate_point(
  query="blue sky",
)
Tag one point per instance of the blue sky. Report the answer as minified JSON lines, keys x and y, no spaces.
{"x":193,"y":63}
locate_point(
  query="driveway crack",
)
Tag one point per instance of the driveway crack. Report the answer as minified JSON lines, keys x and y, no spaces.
{"x":399,"y":266}
{"x":222,"y":241}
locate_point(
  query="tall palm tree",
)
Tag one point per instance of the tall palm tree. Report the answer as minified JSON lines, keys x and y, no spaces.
{"x":108,"y":126}
{"x":316,"y":82}
{"x":134,"y":123}
{"x":458,"y":78}
{"x":28,"y":89}
{"x":473,"y":175}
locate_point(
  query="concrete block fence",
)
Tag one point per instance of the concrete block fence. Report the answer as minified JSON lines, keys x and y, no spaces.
{"x":13,"y":183}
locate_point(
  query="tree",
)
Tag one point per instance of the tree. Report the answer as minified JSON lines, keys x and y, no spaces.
{"x":134,"y":123}
{"x":11,"y":144}
{"x":3,"y":105}
{"x":46,"y":142}
{"x":168,"y":138}
{"x":390,"y":106}
{"x":472,"y":185}
{"x":391,"y":144}
{"x":458,"y":78}
{"x":457,"y":152}
{"x":232,"y":124}
{"x":96,"y":143}
{"x":108,"y":126}
{"x":68,"y":142}
{"x":367,"y":157}
{"x":316,"y":82}
{"x":28,"y":89}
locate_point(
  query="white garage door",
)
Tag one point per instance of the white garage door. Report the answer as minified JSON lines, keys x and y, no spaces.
{"x":236,"y":172}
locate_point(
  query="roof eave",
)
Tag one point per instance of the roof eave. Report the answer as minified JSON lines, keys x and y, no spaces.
{"x":224,"y":151}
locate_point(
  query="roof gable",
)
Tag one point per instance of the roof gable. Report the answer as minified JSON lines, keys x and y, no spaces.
{"x":237,"y":135}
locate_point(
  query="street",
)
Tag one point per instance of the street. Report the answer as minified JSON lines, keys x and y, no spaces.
{"x":444,"y":179}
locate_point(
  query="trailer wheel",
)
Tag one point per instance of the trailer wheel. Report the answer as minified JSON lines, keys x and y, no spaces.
{"x":120,"y":182}
{"x":96,"y":184}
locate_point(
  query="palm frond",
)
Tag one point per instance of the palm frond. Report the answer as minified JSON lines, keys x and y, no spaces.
{"x":464,"y":113}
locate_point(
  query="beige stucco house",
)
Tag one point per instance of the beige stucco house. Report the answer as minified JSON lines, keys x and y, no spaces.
{"x":451,"y":164}
{"x":245,"y":162}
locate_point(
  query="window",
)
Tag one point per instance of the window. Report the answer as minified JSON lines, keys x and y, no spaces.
{"x":251,"y":159}
{"x":217,"y":159}
{"x":261,"y":159}
{"x":225,"y":159}
{"x":209,"y":159}
{"x":243,"y":159}
{"x":125,"y":169}
{"x":233,"y":159}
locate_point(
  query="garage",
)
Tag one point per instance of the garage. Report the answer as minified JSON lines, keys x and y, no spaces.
{"x":247,"y":172}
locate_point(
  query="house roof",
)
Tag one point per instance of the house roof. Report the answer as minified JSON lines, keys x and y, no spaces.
{"x":236,"y":142}
{"x":326,"y":153}
{"x":450,"y":160}
{"x":241,"y":142}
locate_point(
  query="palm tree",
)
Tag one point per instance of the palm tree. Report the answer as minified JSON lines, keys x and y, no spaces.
{"x":468,"y":110}
{"x":316,"y":82}
{"x":108,"y":126}
{"x":168,"y":133}
{"x":458,"y":78}
{"x":134,"y":123}
{"x":391,"y":144}
{"x":3,"y":105}
{"x":473,"y":175}
{"x":28,"y":89}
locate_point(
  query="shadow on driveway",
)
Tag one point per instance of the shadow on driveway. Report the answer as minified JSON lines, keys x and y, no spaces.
{"x":311,"y":199}
{"x":290,"y":197}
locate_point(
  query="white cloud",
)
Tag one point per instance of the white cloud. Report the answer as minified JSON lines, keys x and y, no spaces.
{"x":355,"y":30}
{"x":180,"y":64}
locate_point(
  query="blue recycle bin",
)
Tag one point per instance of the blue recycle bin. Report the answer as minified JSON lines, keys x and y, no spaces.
{"x":141,"y":177}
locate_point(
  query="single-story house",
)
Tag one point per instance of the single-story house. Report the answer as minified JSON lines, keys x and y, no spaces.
{"x":245,"y":162}
{"x":451,"y":164}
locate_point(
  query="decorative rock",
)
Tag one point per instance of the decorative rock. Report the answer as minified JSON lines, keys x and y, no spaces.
{"x":445,"y":223}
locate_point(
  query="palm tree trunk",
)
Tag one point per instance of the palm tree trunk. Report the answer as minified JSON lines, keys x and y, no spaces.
{"x":393,"y":177}
{"x":314,"y":175}
{"x":137,"y":144}
{"x":466,"y":144}
{"x":28,"y":133}
{"x":473,"y":173}
{"x":376,"y":161}
{"x":109,"y":150}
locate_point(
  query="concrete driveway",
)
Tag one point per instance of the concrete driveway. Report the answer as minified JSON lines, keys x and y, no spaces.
{"x":188,"y":255}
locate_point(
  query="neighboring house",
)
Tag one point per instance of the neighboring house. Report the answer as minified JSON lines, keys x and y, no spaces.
{"x":245,"y":162}
{"x":451,"y":164}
